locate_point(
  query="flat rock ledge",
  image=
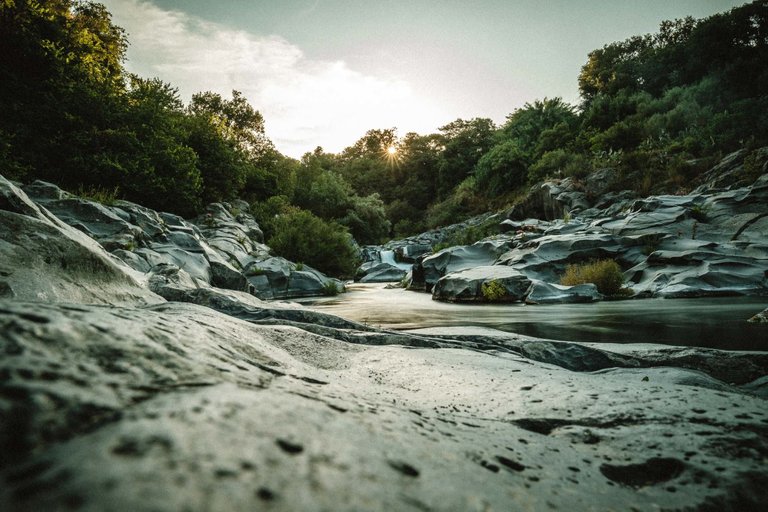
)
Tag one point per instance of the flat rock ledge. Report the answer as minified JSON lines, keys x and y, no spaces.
{"x":176,"y":406}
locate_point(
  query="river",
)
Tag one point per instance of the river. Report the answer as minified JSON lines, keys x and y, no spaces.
{"x":704,"y":322}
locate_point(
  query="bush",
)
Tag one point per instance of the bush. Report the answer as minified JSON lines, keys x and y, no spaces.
{"x":301,"y":236}
{"x":493,"y":290}
{"x":605,"y":274}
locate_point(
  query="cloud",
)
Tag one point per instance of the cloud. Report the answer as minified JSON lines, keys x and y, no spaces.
{"x":306,"y":103}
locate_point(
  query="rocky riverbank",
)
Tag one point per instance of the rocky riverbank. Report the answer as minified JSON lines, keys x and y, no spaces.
{"x":128,"y":389}
{"x":712,"y":241}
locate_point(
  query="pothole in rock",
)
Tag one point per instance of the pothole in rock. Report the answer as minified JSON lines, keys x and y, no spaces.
{"x":650,"y":472}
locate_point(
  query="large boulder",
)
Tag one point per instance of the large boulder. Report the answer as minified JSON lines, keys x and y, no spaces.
{"x":278,"y":278}
{"x":542,"y":292}
{"x":482,"y":284}
{"x":382,"y":273}
{"x":454,"y":259}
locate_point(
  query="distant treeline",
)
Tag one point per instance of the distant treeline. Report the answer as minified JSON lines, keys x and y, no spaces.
{"x":657,"y":109}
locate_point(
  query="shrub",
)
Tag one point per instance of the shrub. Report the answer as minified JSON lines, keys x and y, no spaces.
{"x":103,"y":195}
{"x":493,"y":290}
{"x":298,"y":235}
{"x":330,"y":289}
{"x":605,"y":274}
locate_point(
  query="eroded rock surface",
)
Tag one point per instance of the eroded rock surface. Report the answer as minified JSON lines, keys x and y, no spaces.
{"x":222,"y":248}
{"x":176,"y":406}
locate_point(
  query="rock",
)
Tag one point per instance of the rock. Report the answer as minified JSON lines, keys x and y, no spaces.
{"x":278,"y":278}
{"x":551,"y":200}
{"x":409,"y":253}
{"x":545,"y":258}
{"x":700,"y":270}
{"x":760,"y":318}
{"x":42,"y":258}
{"x":454,"y":259}
{"x":109,"y":408}
{"x":467,"y":285}
{"x":382,"y":273}
{"x":218,"y":400}
{"x":542,"y":292}
{"x":97,"y":221}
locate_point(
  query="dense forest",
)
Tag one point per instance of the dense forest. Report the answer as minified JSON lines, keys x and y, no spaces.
{"x":657,"y":109}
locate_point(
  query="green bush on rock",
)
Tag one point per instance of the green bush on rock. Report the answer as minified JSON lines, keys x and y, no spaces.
{"x":493,"y":290}
{"x":605,"y":274}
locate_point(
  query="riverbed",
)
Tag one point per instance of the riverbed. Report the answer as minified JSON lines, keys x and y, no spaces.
{"x":704,"y":322}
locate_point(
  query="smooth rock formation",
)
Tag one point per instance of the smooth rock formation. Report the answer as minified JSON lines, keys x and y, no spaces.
{"x":542,"y":292}
{"x":711,"y":242}
{"x":44,"y":259}
{"x":215,"y":249}
{"x":175,"y":407}
{"x":454,"y":259}
{"x":471,"y":285}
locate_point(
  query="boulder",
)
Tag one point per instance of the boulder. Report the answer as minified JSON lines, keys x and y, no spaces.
{"x":457,"y":258}
{"x":545,"y":258}
{"x":472,"y":285}
{"x":100,"y":222}
{"x":760,"y":318}
{"x":382,"y":273}
{"x":542,"y":292}
{"x":278,"y":278}
{"x":551,"y":200}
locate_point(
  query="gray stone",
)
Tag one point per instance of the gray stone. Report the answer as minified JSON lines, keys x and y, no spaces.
{"x":278,"y":278}
{"x":382,"y":273}
{"x":542,"y":292}
{"x":42,"y":258}
{"x":760,"y":318}
{"x":174,"y":406}
{"x":460,"y":257}
{"x":467,"y":285}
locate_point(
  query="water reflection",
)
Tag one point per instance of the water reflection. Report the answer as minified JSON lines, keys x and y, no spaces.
{"x":714,"y":323}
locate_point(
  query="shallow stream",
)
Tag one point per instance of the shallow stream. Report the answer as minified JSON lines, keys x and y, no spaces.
{"x":705,"y":322}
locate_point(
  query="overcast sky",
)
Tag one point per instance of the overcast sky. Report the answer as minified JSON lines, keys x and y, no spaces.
{"x":323,"y":72}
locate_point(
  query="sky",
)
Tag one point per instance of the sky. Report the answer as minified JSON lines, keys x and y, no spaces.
{"x":323,"y":72}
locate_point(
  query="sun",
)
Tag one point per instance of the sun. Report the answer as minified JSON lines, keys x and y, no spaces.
{"x":391,"y":150}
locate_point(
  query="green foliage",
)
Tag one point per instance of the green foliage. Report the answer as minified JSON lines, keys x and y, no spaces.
{"x":101,"y":195}
{"x":366,"y":219}
{"x":605,"y":274}
{"x":469,"y":235}
{"x":493,"y":290}
{"x":330,"y":289}
{"x":541,"y":126}
{"x":560,"y":163}
{"x":699,"y":212}
{"x":301,"y":236}
{"x":502,"y":169}
{"x":463,"y":144}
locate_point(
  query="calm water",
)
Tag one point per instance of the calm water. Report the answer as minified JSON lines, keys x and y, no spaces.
{"x":715,"y":323}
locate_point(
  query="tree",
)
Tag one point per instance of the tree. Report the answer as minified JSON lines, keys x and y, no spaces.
{"x":502,"y":169}
{"x":464,"y":143}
